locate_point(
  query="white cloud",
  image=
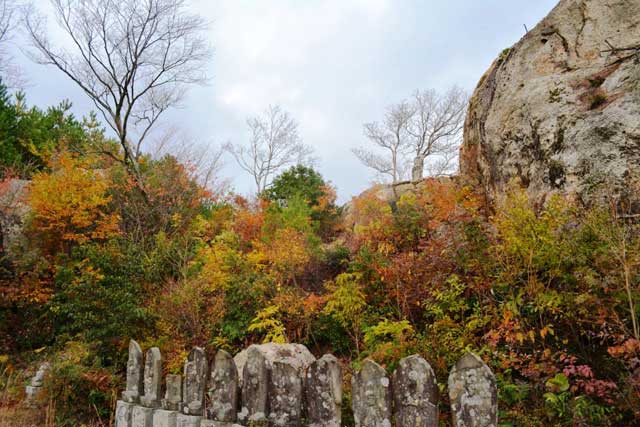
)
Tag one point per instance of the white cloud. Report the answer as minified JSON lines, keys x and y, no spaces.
{"x":334,"y":64}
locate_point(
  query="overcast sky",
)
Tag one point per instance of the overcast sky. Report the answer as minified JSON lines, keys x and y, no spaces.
{"x":333,"y":64}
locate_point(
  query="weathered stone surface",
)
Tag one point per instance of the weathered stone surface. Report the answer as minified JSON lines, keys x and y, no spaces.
{"x":415,"y":393}
{"x":141,"y":417}
{"x":296,"y":354}
{"x":183,"y":420}
{"x":557,"y":113}
{"x":173,"y":393}
{"x":123,"y":413}
{"x":212,"y":423}
{"x":152,"y":378}
{"x":223,"y":388}
{"x":371,"y":396}
{"x":135,"y":385}
{"x":323,"y":392}
{"x":285,"y":395}
{"x":195,"y":379}
{"x":473,"y":393}
{"x":254,"y":387}
{"x":164,"y":418}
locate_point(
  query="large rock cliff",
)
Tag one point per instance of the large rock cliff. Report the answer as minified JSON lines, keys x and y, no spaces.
{"x":560,"y":110}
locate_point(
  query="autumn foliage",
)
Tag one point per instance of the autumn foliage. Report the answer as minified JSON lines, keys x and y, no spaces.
{"x":542,"y":293}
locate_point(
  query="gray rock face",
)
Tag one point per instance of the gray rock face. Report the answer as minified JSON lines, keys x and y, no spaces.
{"x":323,"y":392}
{"x":371,"y":396}
{"x":141,"y":417}
{"x":164,"y":418}
{"x":223,"y":388}
{"x":254,"y":387}
{"x":557,"y":113}
{"x":135,"y":385}
{"x":473,"y":393}
{"x":173,"y":393}
{"x":285,"y":395}
{"x":152,"y":378}
{"x":297,"y":354}
{"x":415,"y":393}
{"x":195,"y":378}
{"x":123,"y":414}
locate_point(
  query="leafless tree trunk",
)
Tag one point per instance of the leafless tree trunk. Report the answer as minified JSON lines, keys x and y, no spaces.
{"x":390,"y":135}
{"x":133,"y":58}
{"x":435,"y":129}
{"x":274,"y":143}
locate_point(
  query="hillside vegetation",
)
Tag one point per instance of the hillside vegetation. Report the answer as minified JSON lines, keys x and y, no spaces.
{"x":545,"y":294}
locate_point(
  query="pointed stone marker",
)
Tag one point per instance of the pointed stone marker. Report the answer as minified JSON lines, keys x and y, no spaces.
{"x":371,"y":396}
{"x":323,"y":392}
{"x":134,"y":374}
{"x":195,"y":378}
{"x":123,"y":413}
{"x":473,"y":393}
{"x":254,"y":389}
{"x":173,"y":393}
{"x":223,"y":388}
{"x":285,"y":395}
{"x":152,"y":378}
{"x":415,"y":393}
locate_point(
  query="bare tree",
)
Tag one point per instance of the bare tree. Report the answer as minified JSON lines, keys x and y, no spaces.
{"x":274,"y":144}
{"x":392,"y":137}
{"x":204,"y":161}
{"x":7,"y":12}
{"x":429,"y":126}
{"x":436,"y":128}
{"x":133,"y":58}
{"x":8,"y":70}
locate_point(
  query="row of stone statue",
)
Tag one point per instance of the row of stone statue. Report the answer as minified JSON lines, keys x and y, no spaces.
{"x":281,"y":388}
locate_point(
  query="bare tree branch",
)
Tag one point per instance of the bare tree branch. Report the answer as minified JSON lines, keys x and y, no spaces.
{"x":427,"y":126}
{"x":436,"y":129}
{"x":204,"y":162}
{"x":133,"y":58}
{"x":274,"y":144}
{"x":8,"y":71}
{"x":391,"y":136}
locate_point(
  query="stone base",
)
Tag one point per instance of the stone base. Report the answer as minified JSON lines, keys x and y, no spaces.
{"x":194,"y":409}
{"x":149,"y":402}
{"x":123,"y":414}
{"x":211,"y":423}
{"x":183,"y":420}
{"x":164,"y":418}
{"x":141,"y":417}
{"x":169,"y":405}
{"x":258,"y":420}
{"x":32,"y":392}
{"x":130,"y":397}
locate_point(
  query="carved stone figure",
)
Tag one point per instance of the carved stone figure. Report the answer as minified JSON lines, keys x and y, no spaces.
{"x":223,"y":388}
{"x":134,"y":374}
{"x":415,"y":393}
{"x":195,"y":378}
{"x":323,"y":392}
{"x":371,"y":396}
